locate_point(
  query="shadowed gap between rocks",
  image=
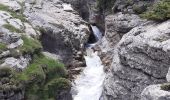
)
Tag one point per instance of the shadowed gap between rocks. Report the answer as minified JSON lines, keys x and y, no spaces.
{"x":57,"y":46}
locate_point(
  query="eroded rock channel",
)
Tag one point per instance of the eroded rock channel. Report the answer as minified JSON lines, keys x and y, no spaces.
{"x":84,"y":50}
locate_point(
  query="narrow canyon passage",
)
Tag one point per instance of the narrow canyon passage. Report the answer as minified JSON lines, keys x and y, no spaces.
{"x":88,"y":85}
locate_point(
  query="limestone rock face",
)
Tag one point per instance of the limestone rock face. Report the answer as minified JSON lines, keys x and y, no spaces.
{"x":118,"y":24}
{"x":64,"y":32}
{"x":141,"y":58}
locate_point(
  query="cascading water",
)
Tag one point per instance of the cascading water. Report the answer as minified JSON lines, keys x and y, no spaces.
{"x":89,"y":84}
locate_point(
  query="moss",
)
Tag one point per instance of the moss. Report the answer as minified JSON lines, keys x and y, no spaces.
{"x":41,"y":73}
{"x":42,"y":67}
{"x":3,"y":46}
{"x":159,"y":12}
{"x":3,"y":7}
{"x":9,"y":83}
{"x":12,"y":28}
{"x":57,"y":85}
{"x":165,"y":86}
{"x":30,"y":45}
{"x":18,"y":15}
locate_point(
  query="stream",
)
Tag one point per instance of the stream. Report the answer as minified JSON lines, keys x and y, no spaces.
{"x":88,"y":85}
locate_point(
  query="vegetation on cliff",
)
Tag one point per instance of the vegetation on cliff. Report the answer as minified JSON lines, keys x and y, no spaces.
{"x":18,"y":15}
{"x":159,"y":11}
{"x":30,"y":45}
{"x":42,"y":79}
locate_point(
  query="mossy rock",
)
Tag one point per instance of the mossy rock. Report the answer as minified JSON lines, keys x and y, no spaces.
{"x":3,"y":47}
{"x":42,"y":76}
{"x":159,"y":11}
{"x":165,"y":86}
{"x":5,"y":71}
{"x":30,"y":46}
{"x":12,"y":28}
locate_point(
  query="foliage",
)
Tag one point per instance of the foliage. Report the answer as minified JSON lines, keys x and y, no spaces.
{"x":159,"y":12}
{"x":18,"y":15}
{"x":9,"y":82}
{"x":30,"y":45}
{"x":43,"y":74}
{"x":12,"y":28}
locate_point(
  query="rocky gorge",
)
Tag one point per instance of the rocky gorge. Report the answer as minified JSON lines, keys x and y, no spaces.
{"x":42,"y":49}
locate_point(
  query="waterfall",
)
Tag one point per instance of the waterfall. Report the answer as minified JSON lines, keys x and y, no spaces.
{"x":96,"y":32}
{"x":89,"y":84}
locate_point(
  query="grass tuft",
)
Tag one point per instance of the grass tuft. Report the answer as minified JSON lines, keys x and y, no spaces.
{"x":12,"y":28}
{"x":18,"y":15}
{"x":30,"y":45}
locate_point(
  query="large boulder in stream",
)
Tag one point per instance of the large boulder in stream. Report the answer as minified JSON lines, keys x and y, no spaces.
{"x":141,"y":58}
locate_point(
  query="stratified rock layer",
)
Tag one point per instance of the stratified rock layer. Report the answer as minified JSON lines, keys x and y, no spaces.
{"x":141,"y":58}
{"x":64,"y":31}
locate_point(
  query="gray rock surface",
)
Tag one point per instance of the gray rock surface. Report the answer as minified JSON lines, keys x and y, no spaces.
{"x":141,"y":58}
{"x":13,"y":4}
{"x":118,"y":24}
{"x":64,"y":32}
{"x":168,"y":76}
{"x":154,"y":92}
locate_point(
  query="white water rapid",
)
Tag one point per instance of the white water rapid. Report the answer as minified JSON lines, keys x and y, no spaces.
{"x":89,"y":84}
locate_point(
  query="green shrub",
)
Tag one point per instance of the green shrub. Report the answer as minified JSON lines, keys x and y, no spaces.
{"x":30,"y":45}
{"x":159,"y":12}
{"x":12,"y":28}
{"x":9,"y":82}
{"x":57,"y":85}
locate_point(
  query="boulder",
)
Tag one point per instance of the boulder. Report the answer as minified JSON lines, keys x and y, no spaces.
{"x":141,"y":58}
{"x":118,"y":24}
